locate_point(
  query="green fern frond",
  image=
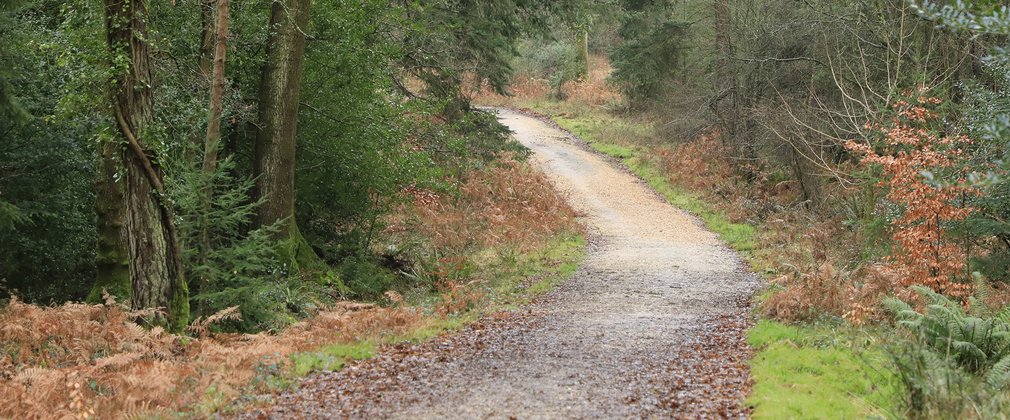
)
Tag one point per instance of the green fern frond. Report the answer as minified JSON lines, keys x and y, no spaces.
{"x":898,"y":307}
{"x":1004,"y":316}
{"x":999,"y":374}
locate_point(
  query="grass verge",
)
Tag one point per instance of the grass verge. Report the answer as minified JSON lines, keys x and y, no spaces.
{"x":820,"y":372}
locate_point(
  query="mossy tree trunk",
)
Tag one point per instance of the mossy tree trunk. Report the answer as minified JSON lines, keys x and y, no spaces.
{"x":112,"y":262}
{"x":140,"y":220}
{"x":279,"y":93}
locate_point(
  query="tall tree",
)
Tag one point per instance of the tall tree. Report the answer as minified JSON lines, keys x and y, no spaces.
{"x":207,"y":32}
{"x":725,"y":83}
{"x":139,"y":231}
{"x":212,"y":142}
{"x":213,"y":138}
{"x":445,"y":41}
{"x":11,"y":112}
{"x":279,"y":93}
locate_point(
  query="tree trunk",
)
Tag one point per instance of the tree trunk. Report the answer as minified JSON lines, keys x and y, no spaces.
{"x":112,"y":261}
{"x":152,"y":244}
{"x":205,"y":61}
{"x":206,"y":36}
{"x":212,"y":142}
{"x":584,"y":54}
{"x":727,"y":103}
{"x":274,"y":164}
{"x":725,"y":83}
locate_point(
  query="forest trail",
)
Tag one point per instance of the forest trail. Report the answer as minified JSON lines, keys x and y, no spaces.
{"x":651,"y":325}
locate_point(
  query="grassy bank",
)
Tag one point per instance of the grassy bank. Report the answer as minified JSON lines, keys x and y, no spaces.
{"x":820,"y":371}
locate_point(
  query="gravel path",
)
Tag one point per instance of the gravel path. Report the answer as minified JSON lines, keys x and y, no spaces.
{"x":651,"y":325}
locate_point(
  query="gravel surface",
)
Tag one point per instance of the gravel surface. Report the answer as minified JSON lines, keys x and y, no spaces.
{"x":652,"y":324}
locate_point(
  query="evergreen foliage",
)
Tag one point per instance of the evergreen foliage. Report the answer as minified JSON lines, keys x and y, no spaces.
{"x":653,"y":50}
{"x":382,"y":111}
{"x":46,"y":161}
{"x":10,"y":108}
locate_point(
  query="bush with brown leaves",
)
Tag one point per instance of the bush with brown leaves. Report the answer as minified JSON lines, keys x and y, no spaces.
{"x":506,"y":209}
{"x":507,"y":205}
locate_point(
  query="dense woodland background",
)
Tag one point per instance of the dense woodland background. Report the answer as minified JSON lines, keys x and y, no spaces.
{"x":196,"y":156}
{"x":375,"y":90}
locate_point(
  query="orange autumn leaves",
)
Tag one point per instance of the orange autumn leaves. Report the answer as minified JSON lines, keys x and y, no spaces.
{"x":925,"y":175}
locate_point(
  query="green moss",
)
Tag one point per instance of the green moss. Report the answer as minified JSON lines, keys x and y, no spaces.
{"x":555,"y":262}
{"x":179,"y":308}
{"x":113,"y":276}
{"x":114,"y":286}
{"x":433,"y":328}
{"x":614,"y":151}
{"x":819,"y":372}
{"x":331,"y":357}
{"x":296,"y":252}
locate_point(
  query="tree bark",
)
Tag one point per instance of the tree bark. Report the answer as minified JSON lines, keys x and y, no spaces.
{"x":212,"y":143}
{"x":725,"y":82}
{"x":278,"y":117}
{"x":206,"y":36}
{"x":213,"y":140}
{"x":112,"y":262}
{"x":156,"y":272}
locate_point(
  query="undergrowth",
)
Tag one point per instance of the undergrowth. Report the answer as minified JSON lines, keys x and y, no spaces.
{"x":953,"y":362}
{"x":77,"y":360}
{"x":501,"y":237}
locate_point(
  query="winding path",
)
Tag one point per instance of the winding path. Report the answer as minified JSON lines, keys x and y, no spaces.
{"x":651,"y":325}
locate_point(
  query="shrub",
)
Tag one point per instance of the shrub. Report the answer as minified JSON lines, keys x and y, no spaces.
{"x":225,"y":266}
{"x":924,"y":175}
{"x":557,"y":62}
{"x":645,"y":65}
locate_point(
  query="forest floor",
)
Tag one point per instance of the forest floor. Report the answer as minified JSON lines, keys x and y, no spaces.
{"x":652,"y":324}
